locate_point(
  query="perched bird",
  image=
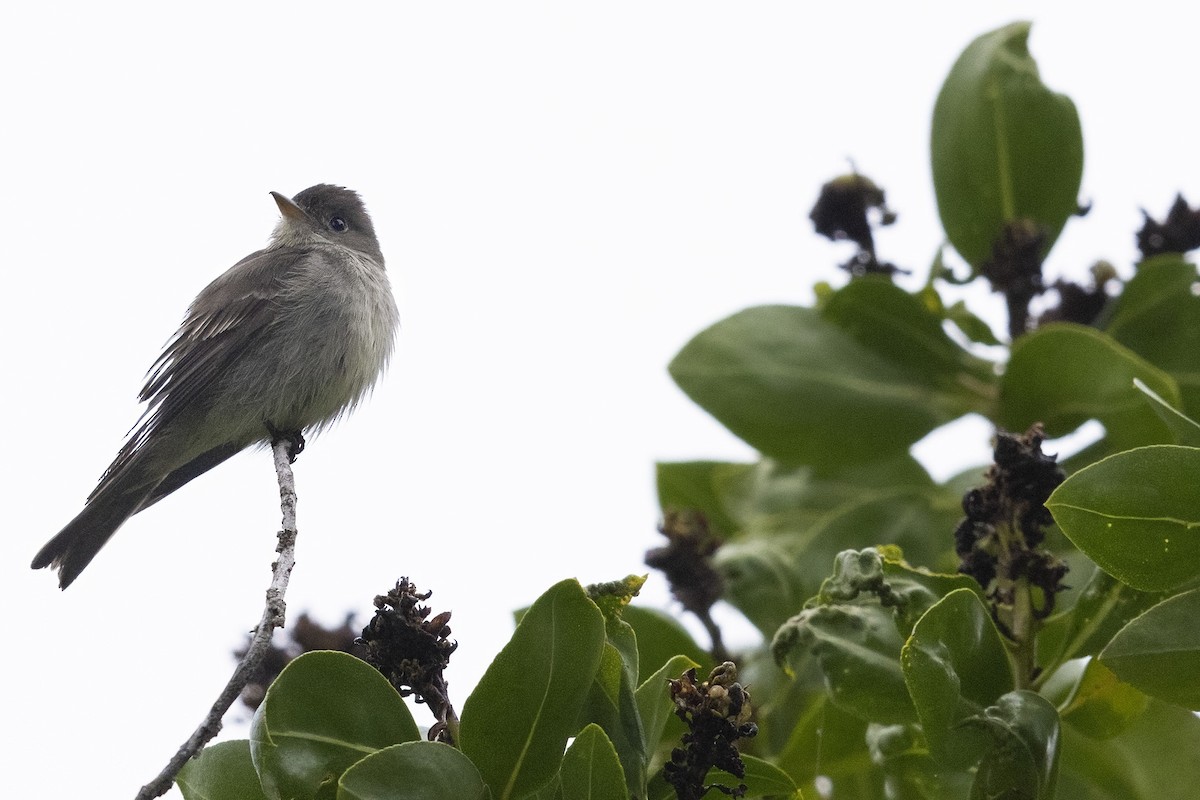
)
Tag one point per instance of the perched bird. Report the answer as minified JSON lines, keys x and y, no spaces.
{"x":289,"y":339}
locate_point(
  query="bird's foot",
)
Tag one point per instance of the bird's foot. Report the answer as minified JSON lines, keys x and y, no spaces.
{"x":295,"y":440}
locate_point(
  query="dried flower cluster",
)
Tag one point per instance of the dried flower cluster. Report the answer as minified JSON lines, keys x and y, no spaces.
{"x":412,"y":651}
{"x":841,"y":214}
{"x":1178,"y":233}
{"x":717,"y":713}
{"x":686,"y":562}
{"x":1000,"y":540}
{"x":305,"y":636}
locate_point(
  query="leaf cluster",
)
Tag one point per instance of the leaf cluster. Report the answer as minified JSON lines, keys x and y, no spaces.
{"x":575,"y":706}
{"x":882,"y":670}
{"x":916,"y":681}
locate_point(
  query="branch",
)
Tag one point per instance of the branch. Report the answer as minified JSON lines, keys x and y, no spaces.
{"x":272,"y":618}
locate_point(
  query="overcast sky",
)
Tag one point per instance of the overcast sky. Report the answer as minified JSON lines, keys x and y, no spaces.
{"x":565,"y":194}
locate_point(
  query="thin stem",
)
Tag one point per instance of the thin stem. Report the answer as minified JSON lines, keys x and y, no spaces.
{"x":1024,"y":634}
{"x":272,"y":618}
{"x":718,"y":652}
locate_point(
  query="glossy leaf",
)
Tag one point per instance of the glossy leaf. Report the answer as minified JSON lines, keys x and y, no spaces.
{"x":763,"y":580}
{"x":1004,"y":146}
{"x":857,"y":648}
{"x":516,"y":723}
{"x":971,"y":325}
{"x":955,"y":666}
{"x":801,"y":389}
{"x":698,"y":485}
{"x":907,"y":332}
{"x":654,"y":699}
{"x":1154,"y":759}
{"x":590,"y":769}
{"x":1063,"y":375}
{"x":413,"y":771}
{"x":762,"y":779}
{"x":919,"y":588}
{"x":1159,"y":652}
{"x":1104,"y":606}
{"x":612,"y":703}
{"x":1137,"y":515}
{"x":771,"y":572}
{"x":901,"y":753}
{"x":769,"y":497}
{"x":1102,"y":705}
{"x":1185,"y":429}
{"x":920,"y":523}
{"x":1157,"y":316}
{"x":324,"y":712}
{"x":853,"y":639}
{"x":223,"y":771}
{"x":1022,"y":761}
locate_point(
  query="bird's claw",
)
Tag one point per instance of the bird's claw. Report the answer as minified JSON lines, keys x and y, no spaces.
{"x":295,"y":440}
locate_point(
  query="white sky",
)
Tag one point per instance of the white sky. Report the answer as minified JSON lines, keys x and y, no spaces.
{"x":565,"y":194}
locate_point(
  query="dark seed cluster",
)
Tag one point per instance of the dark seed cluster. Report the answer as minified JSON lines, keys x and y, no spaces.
{"x":303,"y":637}
{"x":999,"y":541}
{"x":412,"y":650}
{"x":1178,"y":233}
{"x":717,"y":713}
{"x":841,"y":213}
{"x":686,"y":562}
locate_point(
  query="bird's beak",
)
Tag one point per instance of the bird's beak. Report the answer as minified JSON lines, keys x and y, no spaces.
{"x":289,"y":209}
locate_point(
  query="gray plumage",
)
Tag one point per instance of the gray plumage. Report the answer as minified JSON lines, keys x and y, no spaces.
{"x":288,"y":339}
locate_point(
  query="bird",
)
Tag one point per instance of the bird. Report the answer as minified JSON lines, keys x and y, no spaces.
{"x":288,"y":340}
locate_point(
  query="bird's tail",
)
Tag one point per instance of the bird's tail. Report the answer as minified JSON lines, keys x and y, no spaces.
{"x":77,"y":544}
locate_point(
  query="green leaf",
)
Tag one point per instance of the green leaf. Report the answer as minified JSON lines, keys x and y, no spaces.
{"x":1104,"y":606}
{"x":769,"y":497}
{"x":1155,"y":759}
{"x":223,"y":771}
{"x":763,"y":580}
{"x":413,"y":771}
{"x":854,"y":640}
{"x":769,"y":576}
{"x":1159,"y":652}
{"x":955,"y":666}
{"x":801,"y":389}
{"x":1022,"y":761}
{"x":699,"y":485}
{"x":324,"y":712}
{"x":855,"y":628}
{"x":971,"y":325}
{"x":906,"y":331}
{"x":762,"y":779}
{"x":1185,"y":429}
{"x":920,"y":522}
{"x":901,"y":753}
{"x":1103,"y":706}
{"x":516,"y":723}
{"x":659,"y":638}
{"x":612,"y":703}
{"x":824,"y":741}
{"x":1157,"y":316}
{"x":1064,"y":374}
{"x":590,"y":770}
{"x":1004,"y":146}
{"x":654,"y":699}
{"x":857,"y":647}
{"x":1137,"y":515}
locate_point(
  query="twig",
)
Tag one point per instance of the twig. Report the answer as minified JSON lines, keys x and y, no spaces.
{"x":272,"y":618}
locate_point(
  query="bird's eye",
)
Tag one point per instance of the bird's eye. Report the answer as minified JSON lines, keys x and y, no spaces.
{"x":338,"y":225}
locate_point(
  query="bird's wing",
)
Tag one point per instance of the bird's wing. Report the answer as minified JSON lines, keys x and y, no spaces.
{"x":224,"y":318}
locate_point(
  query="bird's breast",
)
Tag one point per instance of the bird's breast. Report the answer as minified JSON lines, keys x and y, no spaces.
{"x":331,"y":338}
